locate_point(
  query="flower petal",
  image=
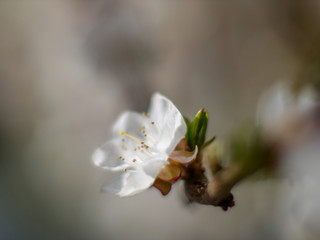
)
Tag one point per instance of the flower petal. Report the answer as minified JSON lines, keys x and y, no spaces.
{"x":273,"y":105}
{"x":135,"y":181}
{"x":129,"y":183}
{"x":108,"y":155}
{"x":183,"y":156}
{"x":129,"y":122}
{"x":153,"y":167}
{"x":169,"y":121}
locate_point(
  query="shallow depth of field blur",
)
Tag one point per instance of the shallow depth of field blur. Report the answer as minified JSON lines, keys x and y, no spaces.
{"x":68,"y":68}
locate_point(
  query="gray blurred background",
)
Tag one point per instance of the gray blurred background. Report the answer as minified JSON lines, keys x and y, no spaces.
{"x":68,"y":68}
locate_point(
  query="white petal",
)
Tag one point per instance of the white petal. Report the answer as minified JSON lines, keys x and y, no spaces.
{"x":273,"y":105}
{"x":153,"y":167}
{"x":129,"y":122}
{"x":117,"y":184}
{"x":170,"y":122}
{"x":135,"y":181}
{"x":306,"y":99}
{"x":108,"y":155}
{"x":129,"y":183}
{"x":184,"y":156}
{"x":279,"y":102}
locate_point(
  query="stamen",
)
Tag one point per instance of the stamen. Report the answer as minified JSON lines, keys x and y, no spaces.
{"x":152,"y":122}
{"x":134,"y":160}
{"x":130,"y":136}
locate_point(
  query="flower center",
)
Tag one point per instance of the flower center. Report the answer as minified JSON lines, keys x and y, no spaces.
{"x":142,"y":144}
{"x":141,"y":151}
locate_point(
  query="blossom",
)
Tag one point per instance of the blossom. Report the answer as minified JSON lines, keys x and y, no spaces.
{"x":143,"y":146}
{"x":279,"y":102}
{"x":281,"y":112}
{"x":292,"y":120}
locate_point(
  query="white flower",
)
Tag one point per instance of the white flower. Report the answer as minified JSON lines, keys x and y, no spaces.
{"x":142,"y":145}
{"x":279,"y":102}
{"x":292,"y":121}
{"x":280,"y":112}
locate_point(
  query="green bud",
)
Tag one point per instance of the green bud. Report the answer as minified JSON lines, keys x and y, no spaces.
{"x":196,"y":132}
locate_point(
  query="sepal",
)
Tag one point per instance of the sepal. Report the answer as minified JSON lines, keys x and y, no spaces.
{"x":162,"y":186}
{"x":170,"y":173}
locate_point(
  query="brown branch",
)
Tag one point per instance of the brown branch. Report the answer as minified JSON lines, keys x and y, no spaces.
{"x":259,"y":152}
{"x":216,"y":192}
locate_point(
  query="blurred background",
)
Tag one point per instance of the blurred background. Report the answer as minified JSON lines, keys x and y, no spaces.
{"x":68,"y":68}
